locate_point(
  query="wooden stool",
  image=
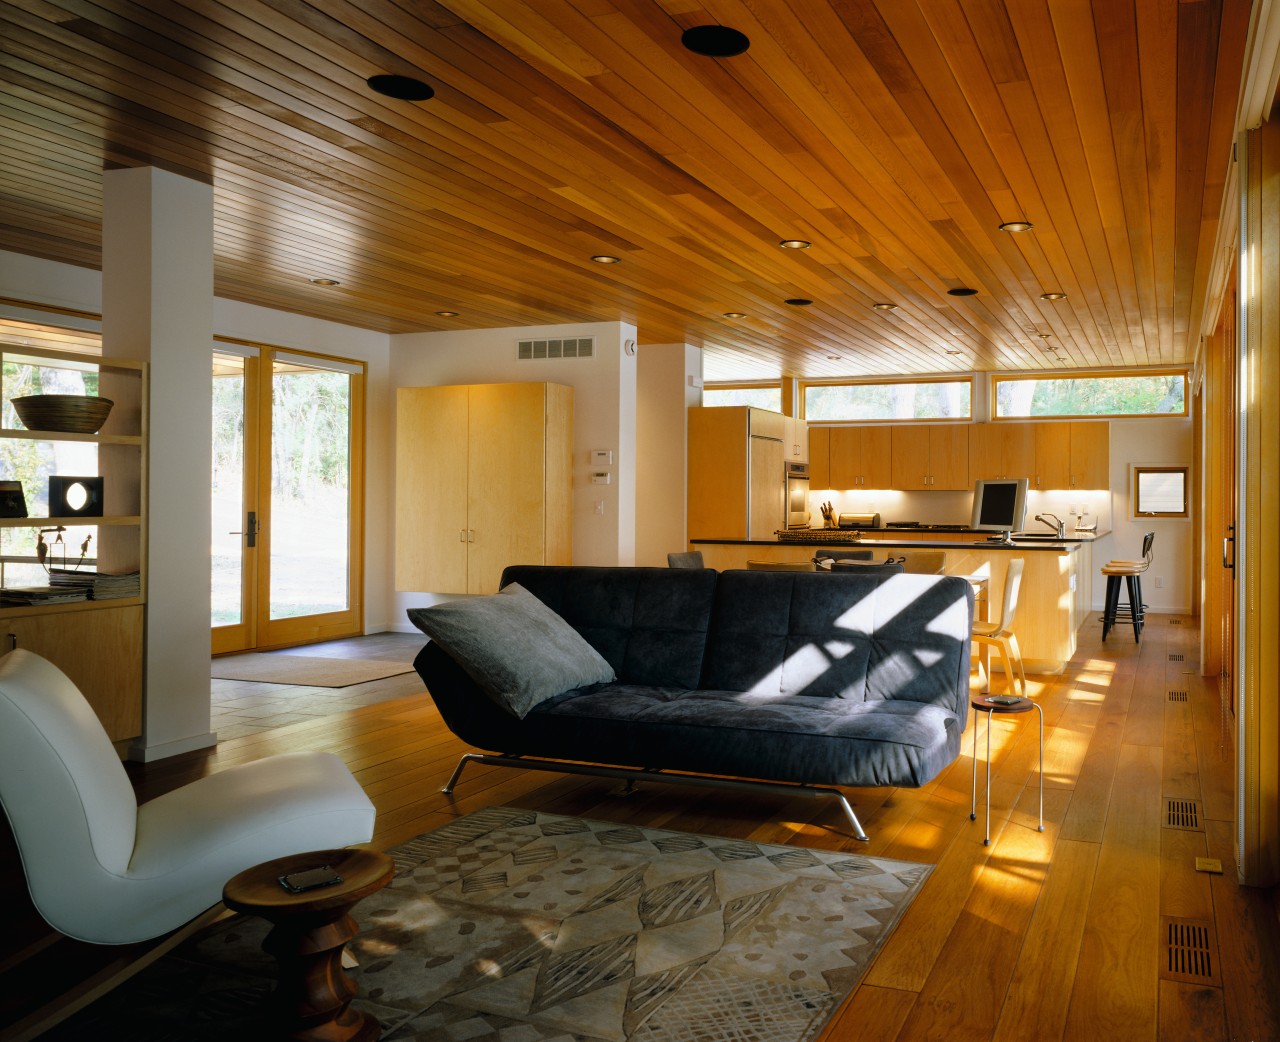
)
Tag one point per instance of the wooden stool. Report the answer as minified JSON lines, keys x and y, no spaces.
{"x":312,"y":1000}
{"x":1131,"y":573}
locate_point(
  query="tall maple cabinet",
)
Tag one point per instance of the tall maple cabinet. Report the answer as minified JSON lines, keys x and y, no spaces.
{"x":483,"y":480}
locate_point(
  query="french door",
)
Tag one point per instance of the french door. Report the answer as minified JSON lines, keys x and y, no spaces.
{"x":287,"y":508}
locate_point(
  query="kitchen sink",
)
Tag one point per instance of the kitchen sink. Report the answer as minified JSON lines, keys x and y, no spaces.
{"x":1047,"y":537}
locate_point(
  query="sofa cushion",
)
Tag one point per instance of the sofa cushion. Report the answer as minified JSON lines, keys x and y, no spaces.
{"x":650,"y":624}
{"x":513,"y":646}
{"x":847,"y":636}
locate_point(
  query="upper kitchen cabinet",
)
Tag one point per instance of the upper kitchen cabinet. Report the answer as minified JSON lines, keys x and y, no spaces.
{"x":1073,"y":454}
{"x":1002,"y":450}
{"x":930,"y":457}
{"x":850,"y":457}
{"x":795,"y":439}
{"x":736,"y":475}
{"x":483,"y":480}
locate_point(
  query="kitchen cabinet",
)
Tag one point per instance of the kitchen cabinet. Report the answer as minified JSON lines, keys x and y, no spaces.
{"x":999,"y":451}
{"x":97,"y":643}
{"x":483,"y":480}
{"x":930,"y":457}
{"x":795,"y":439}
{"x":736,"y":474}
{"x":850,"y":458}
{"x":1073,"y":454}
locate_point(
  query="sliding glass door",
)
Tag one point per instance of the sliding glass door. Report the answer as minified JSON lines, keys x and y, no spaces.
{"x":287,"y":509}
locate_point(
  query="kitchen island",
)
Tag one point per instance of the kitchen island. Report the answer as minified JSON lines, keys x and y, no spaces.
{"x":1054,"y":598}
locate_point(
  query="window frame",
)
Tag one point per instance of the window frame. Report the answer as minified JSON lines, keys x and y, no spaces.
{"x":804,"y":385}
{"x":995,"y":378}
{"x":1137,"y":469}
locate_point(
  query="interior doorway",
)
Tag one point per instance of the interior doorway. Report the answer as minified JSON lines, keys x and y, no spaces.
{"x":287,"y":503}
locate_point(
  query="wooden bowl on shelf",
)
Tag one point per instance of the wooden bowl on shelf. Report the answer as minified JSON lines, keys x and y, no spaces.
{"x":65,"y":413}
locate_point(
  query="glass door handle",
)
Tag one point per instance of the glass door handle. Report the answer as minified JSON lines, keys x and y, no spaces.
{"x":250,"y":529}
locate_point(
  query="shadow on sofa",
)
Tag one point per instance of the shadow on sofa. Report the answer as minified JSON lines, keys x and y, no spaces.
{"x":763,"y":681}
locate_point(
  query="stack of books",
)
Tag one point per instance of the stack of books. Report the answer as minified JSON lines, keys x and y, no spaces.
{"x":96,"y":586}
{"x":28,"y":595}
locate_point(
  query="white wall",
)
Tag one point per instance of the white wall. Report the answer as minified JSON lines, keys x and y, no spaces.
{"x":669,"y":380}
{"x":604,"y":417}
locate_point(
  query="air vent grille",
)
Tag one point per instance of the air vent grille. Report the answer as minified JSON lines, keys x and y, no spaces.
{"x":1190,"y":951}
{"x":570,"y":347}
{"x":1183,"y":814}
{"x":1175,"y":622}
{"x":1175,"y":658}
{"x":1177,"y":696}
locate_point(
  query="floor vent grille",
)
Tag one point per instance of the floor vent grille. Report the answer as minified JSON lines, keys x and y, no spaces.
{"x":1175,"y":658}
{"x":1183,"y":814}
{"x":1175,"y":622}
{"x":1190,"y":951}
{"x":1177,"y":696}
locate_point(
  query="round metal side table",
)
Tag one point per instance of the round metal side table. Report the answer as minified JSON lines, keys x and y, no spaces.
{"x":991,"y":704}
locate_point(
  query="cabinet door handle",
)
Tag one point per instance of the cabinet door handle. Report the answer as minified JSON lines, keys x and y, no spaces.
{"x":471,"y":535}
{"x":462,"y":535}
{"x":13,"y":641}
{"x":1225,"y":540}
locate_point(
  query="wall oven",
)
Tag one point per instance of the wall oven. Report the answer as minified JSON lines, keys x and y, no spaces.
{"x":797,"y":495}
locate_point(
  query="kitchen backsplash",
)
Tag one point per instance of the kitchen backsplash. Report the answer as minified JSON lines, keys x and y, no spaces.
{"x":955,"y":508}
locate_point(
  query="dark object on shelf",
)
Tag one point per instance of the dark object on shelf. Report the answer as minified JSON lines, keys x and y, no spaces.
{"x":75,"y":497}
{"x":66,"y":413}
{"x":25,"y":595}
{"x":12,"y":502}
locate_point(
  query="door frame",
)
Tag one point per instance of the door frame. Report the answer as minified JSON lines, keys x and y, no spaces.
{"x":257,"y":630}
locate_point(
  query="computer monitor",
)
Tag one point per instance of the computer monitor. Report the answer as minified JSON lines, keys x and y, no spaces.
{"x":999,"y":505}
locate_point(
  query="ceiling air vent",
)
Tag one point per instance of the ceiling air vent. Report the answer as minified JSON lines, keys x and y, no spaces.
{"x":571,"y":347}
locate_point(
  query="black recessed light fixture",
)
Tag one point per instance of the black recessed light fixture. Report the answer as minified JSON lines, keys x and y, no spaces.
{"x":1016,"y":226}
{"x":324,"y":282}
{"x":962,"y":291}
{"x":402,"y":88}
{"x":715,"y":41}
{"x":447,"y":314}
{"x":798,"y":302}
{"x":884,"y":306}
{"x":606,"y":258}
{"x":1053,"y":295}
{"x":735,"y":314}
{"x":795,"y":244}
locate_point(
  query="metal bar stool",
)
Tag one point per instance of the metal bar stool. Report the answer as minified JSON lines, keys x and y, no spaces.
{"x":1131,"y":573}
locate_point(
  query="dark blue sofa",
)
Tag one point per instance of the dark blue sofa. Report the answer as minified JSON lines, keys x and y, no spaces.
{"x":803,"y":679}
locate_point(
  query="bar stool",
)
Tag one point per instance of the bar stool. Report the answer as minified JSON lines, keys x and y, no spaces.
{"x":1131,"y":573}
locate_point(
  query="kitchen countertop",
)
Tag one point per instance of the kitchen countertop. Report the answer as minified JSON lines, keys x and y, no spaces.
{"x":1052,"y":544}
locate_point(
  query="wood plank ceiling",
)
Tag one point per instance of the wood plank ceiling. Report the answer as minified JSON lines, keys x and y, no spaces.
{"x":894,"y":135}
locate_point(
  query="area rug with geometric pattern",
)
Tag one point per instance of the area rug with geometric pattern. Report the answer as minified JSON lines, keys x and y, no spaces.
{"x":512,"y":925}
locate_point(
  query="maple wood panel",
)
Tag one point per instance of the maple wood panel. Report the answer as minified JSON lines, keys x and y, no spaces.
{"x":895,"y":135}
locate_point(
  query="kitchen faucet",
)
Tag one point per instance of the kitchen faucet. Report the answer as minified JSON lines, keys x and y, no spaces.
{"x":1061,"y":528}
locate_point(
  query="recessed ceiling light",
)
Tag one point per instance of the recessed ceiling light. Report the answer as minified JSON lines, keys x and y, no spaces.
{"x":402,"y":88}
{"x":605,"y":258}
{"x":833,"y":358}
{"x":963,"y":291}
{"x":735,"y":314}
{"x":1055,"y":295}
{"x":447,"y":314}
{"x":324,"y":282}
{"x":1016,"y":226}
{"x":953,"y":351}
{"x":715,"y":41}
{"x":798,"y":302}
{"x":795,"y":244}
{"x":884,"y":307}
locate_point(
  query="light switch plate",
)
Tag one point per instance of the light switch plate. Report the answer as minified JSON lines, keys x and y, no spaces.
{"x":600,"y":478}
{"x":602,"y":457}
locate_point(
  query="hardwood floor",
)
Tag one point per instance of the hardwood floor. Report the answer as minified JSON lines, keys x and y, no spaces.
{"x":1041,"y":936}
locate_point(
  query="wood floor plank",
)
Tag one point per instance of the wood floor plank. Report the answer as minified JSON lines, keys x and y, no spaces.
{"x":1115,"y":985}
{"x":869,"y":1013}
{"x":1191,"y":1013}
{"x":1035,"y":1005}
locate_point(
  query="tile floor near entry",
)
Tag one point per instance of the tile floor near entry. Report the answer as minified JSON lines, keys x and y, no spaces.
{"x":242,"y":707}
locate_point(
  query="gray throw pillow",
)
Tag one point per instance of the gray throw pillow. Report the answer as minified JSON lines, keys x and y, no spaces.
{"x":514,"y":647}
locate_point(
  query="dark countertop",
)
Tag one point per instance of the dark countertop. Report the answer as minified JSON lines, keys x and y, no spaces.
{"x":1054,"y":545}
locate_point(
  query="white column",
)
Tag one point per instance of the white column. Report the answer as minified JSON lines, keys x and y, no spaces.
{"x":157,"y":305}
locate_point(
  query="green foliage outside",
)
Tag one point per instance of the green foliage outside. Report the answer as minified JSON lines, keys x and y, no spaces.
{"x":757,"y":397}
{"x":1147,"y":395}
{"x":888,"y":401}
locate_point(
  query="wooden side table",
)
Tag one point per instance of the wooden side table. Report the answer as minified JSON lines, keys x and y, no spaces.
{"x":312,"y":1001}
{"x":990,"y":704}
